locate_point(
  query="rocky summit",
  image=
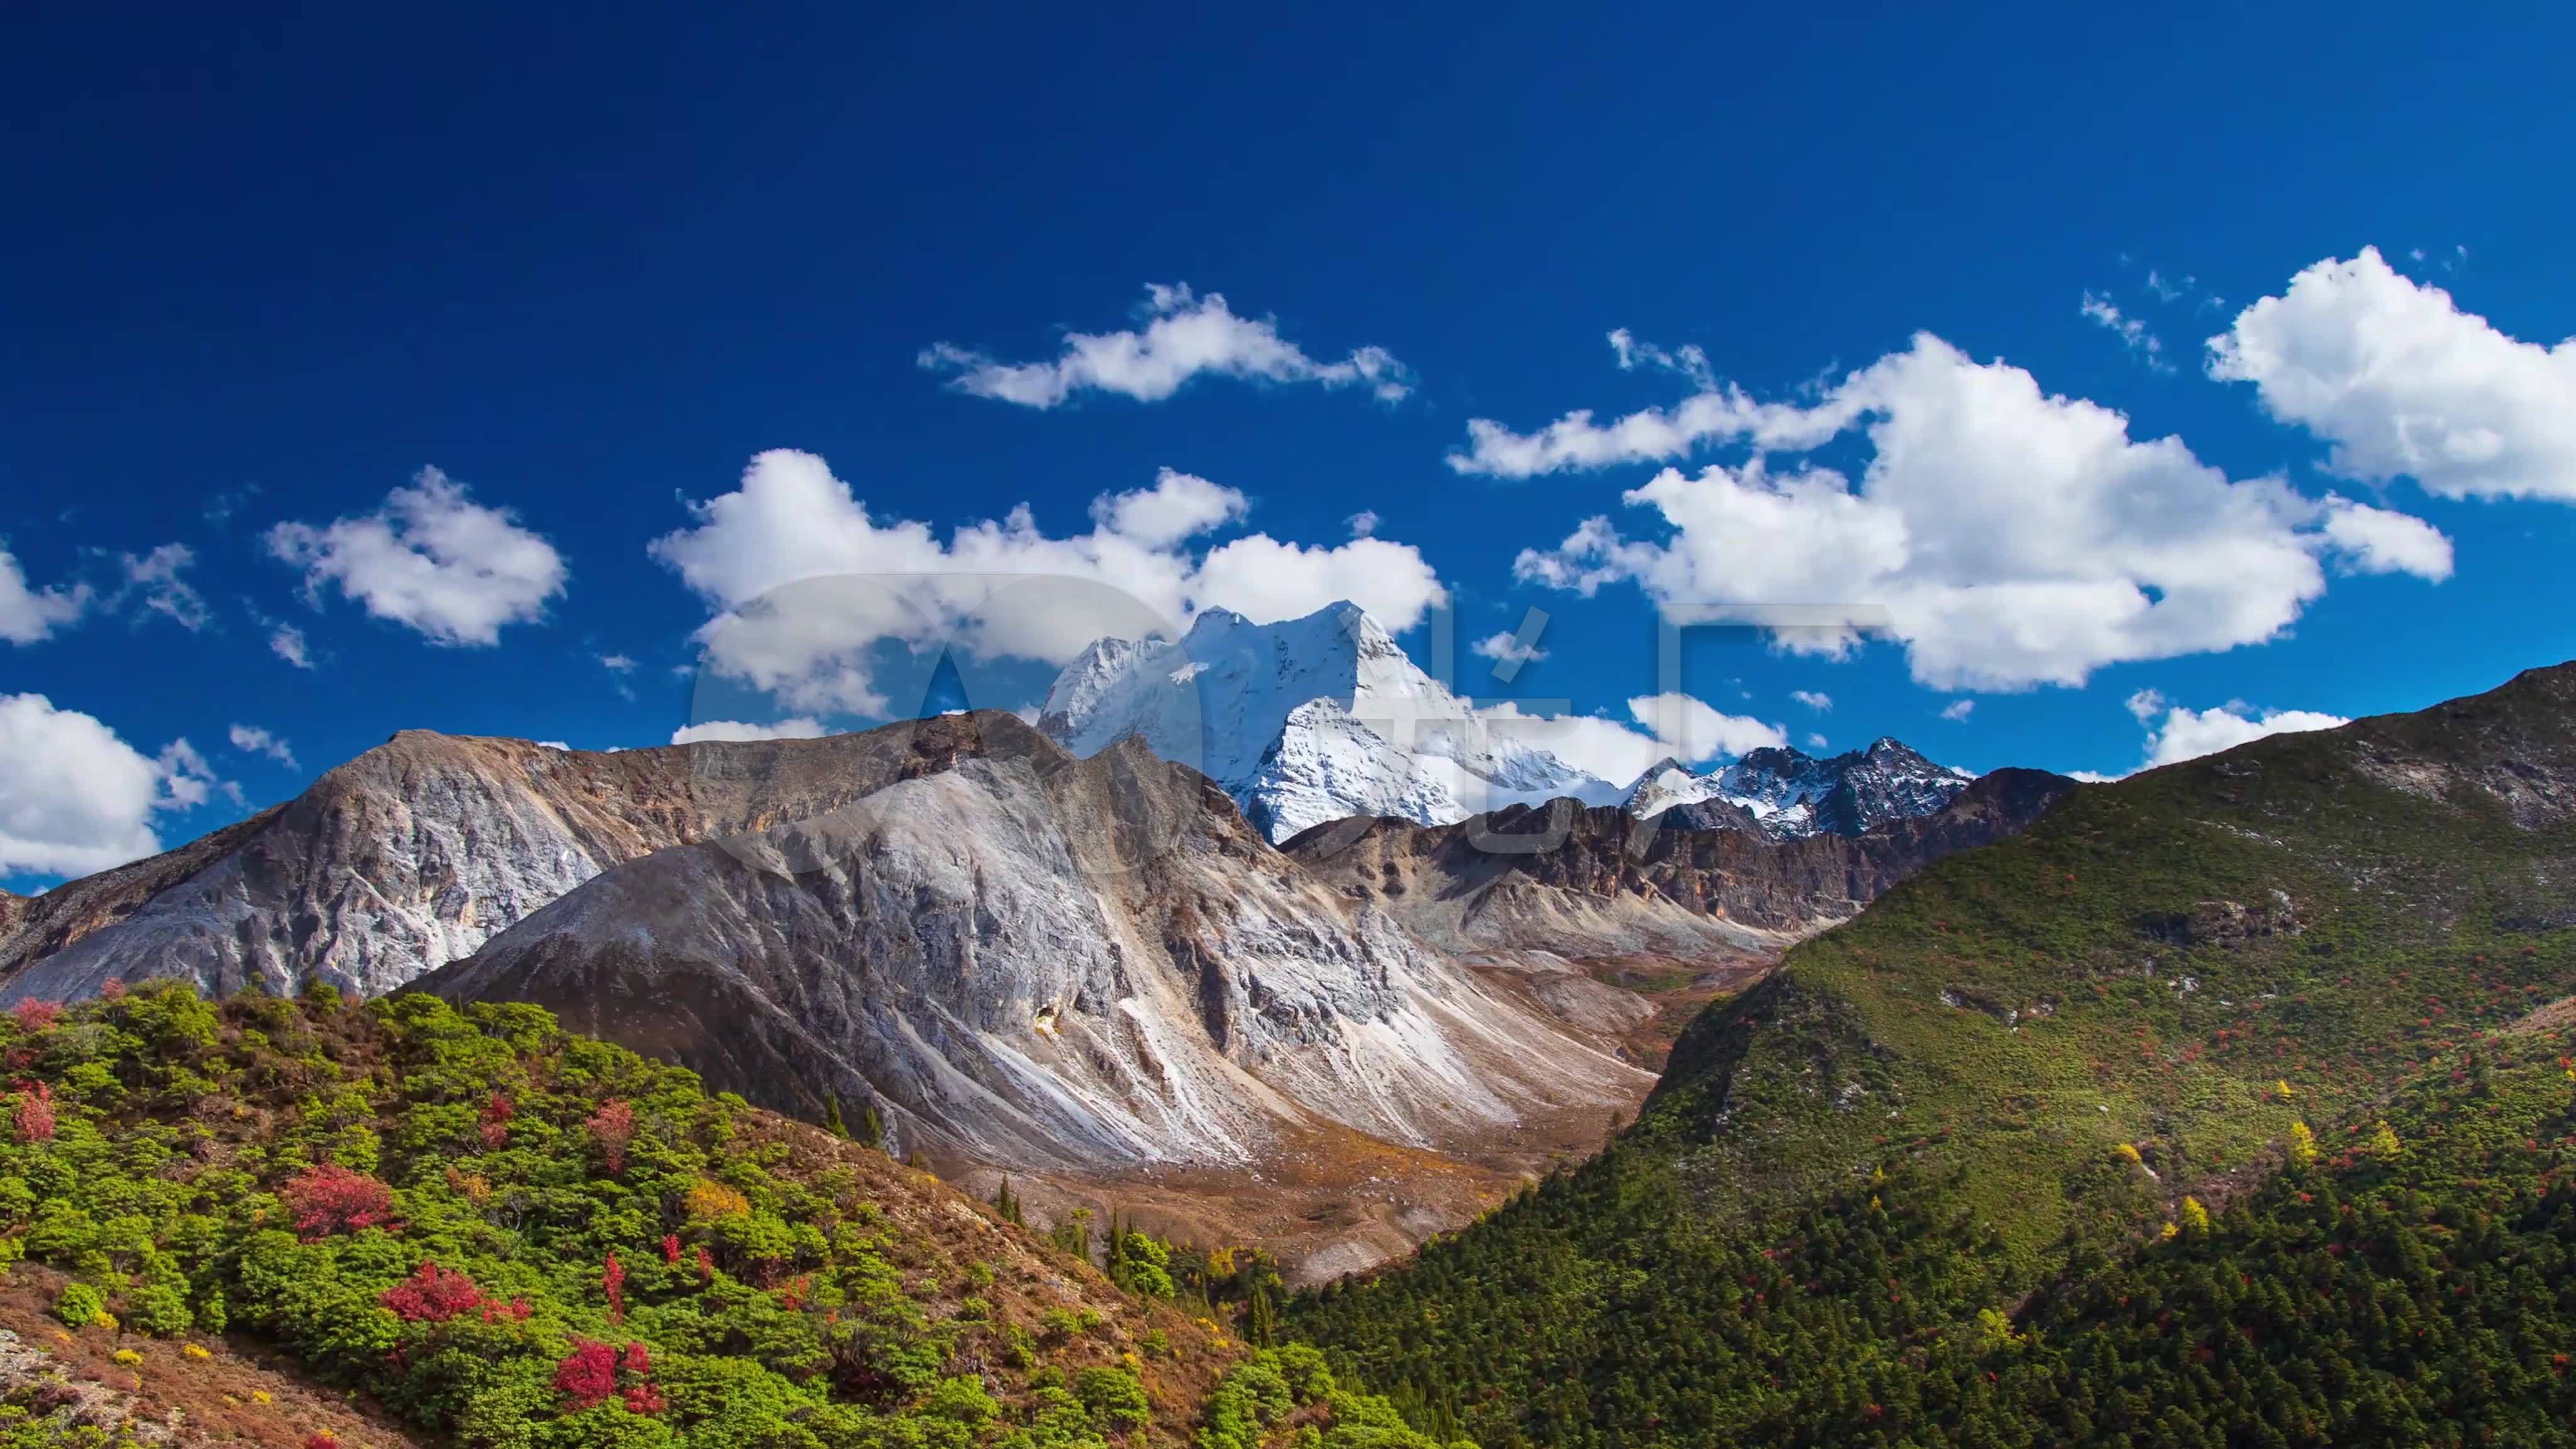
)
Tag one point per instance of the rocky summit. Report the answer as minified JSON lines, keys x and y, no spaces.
{"x":1788,"y":794}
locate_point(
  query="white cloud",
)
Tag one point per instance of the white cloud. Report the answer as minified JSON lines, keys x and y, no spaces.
{"x":1812,"y":700}
{"x":1178,"y":507}
{"x":803,"y":582}
{"x":616,"y":663}
{"x":1958,"y":709}
{"x":1362,"y":523}
{"x":1674,"y":726}
{"x":1815,"y":740}
{"x":155,"y":578}
{"x":1507,"y":646}
{"x":2402,"y":383}
{"x":2188,"y":734}
{"x":2132,"y":332}
{"x":2376,"y":541}
{"x":287,"y":643}
{"x":1267,"y":580}
{"x":799,"y":728}
{"x":432,"y":560}
{"x":74,"y":798}
{"x":1688,"y":359}
{"x":29,"y":614}
{"x":253,"y":740}
{"x":2007,"y":537}
{"x":1184,"y":336}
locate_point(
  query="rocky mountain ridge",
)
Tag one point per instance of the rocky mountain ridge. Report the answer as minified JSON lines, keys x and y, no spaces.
{"x":415,"y":853}
{"x":1788,"y":794}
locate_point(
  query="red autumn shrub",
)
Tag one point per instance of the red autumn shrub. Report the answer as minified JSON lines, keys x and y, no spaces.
{"x":588,"y":1375}
{"x":613,"y":1279}
{"x":516,"y":1310}
{"x":332,"y":1199}
{"x":671,"y":1249}
{"x":641,"y":1396}
{"x":432,"y":1295}
{"x":496,"y":1121}
{"x":35,"y":1016}
{"x":112,"y":989}
{"x":321,"y":1439}
{"x":35,"y":1113}
{"x":612,"y":1127}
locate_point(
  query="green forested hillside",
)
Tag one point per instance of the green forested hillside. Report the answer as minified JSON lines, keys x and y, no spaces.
{"x":1935,"y":1125}
{"x":492,"y":1233}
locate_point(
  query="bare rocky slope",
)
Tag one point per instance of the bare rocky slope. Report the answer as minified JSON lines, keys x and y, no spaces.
{"x":1046,"y":962}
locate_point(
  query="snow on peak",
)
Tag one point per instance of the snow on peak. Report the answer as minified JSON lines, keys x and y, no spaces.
{"x":1303,"y":721}
{"x":1791,"y":793}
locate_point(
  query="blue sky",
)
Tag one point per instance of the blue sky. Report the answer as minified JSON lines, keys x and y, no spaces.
{"x":263,"y":272}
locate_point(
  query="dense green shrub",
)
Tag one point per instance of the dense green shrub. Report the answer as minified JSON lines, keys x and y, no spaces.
{"x":514,"y":1237}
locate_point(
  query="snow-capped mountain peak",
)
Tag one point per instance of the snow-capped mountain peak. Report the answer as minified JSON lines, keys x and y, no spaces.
{"x":1303,"y":721}
{"x":1790,"y":793}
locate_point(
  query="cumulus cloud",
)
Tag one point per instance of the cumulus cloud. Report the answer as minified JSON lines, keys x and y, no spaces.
{"x":1267,"y":580}
{"x":2377,"y":541}
{"x":2187,"y":734}
{"x":74,"y":798}
{"x":1958,"y":709}
{"x":1812,"y":700}
{"x":29,"y":614}
{"x":1669,"y":726}
{"x":2400,"y":382}
{"x":2007,"y":537}
{"x":617,"y":663}
{"x":253,"y":740}
{"x":803,"y":582}
{"x":1362,"y":523}
{"x":2132,"y":332}
{"x":1184,"y":336}
{"x":799,"y":728}
{"x":431,"y":559}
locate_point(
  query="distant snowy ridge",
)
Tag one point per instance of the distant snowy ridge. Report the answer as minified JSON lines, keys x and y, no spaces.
{"x":1786,"y":793}
{"x":1306,"y":721}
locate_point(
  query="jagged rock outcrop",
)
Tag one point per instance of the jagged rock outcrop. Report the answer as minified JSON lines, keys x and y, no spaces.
{"x":1047,"y":962}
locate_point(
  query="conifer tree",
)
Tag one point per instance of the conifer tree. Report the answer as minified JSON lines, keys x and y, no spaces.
{"x":1260,"y":1318}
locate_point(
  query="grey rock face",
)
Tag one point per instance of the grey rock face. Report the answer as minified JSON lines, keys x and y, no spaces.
{"x":1046,"y":963}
